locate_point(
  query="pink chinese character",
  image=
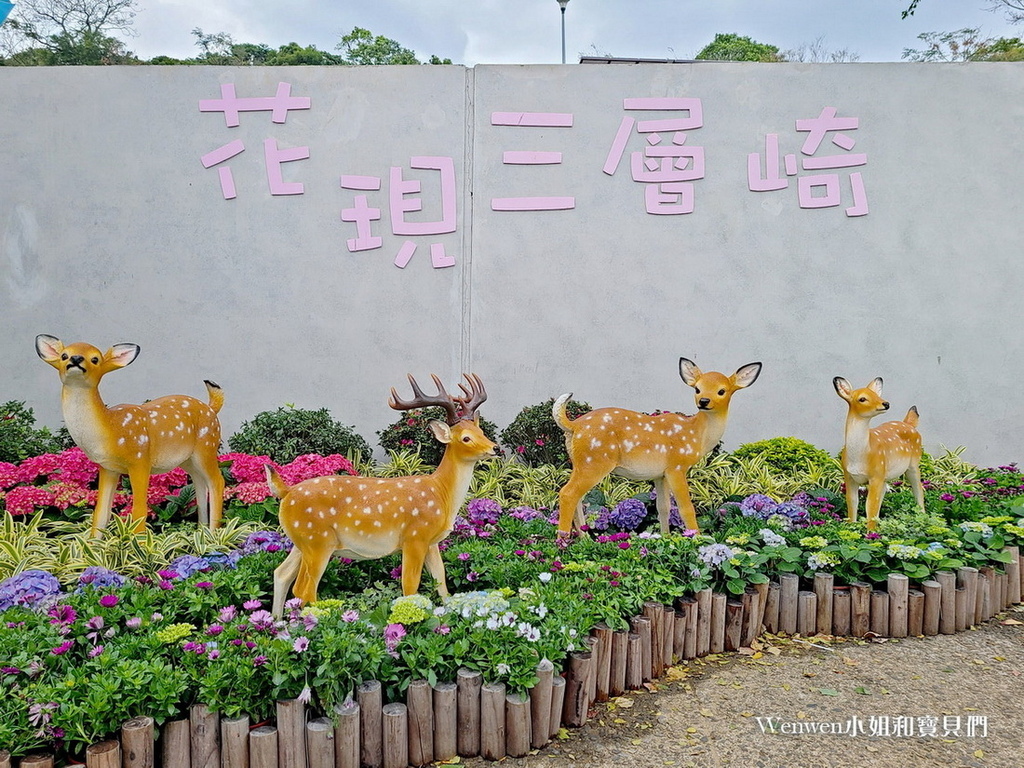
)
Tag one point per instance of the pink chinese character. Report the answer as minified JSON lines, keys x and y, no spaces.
{"x":667,"y":169}
{"x":532,"y":157}
{"x":829,"y":183}
{"x":279,"y":104}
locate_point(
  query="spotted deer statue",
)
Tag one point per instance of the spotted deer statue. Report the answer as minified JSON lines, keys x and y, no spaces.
{"x":137,"y":440}
{"x":364,"y":518}
{"x":871,"y":457}
{"x":661,"y":448}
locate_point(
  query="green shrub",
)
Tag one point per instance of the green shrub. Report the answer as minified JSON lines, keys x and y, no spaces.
{"x":289,"y":432}
{"x":411,"y":433}
{"x":534,"y":436}
{"x":789,"y":455}
{"x":19,"y":438}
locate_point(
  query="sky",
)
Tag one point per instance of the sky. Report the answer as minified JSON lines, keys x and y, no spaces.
{"x":474,"y":32}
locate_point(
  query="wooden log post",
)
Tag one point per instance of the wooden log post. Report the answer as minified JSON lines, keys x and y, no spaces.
{"x":656,"y":616}
{"x":395,"y":734}
{"x":718,"y":604}
{"x":789,"y":585}
{"x":591,"y":647}
{"x":5,"y":759}
{"x":540,"y":705}
{"x":320,"y":743}
{"x":620,"y":657}
{"x":841,"y":611}
{"x":985,"y":581}
{"x":204,"y":727}
{"x":967,"y":577}
{"x":419,"y":703}
{"x":634,"y":662}
{"x":446,"y":722}
{"x":602,"y":662}
{"x":1014,"y":575}
{"x":947,"y":610}
{"x":641,"y":625}
{"x":40,"y":759}
{"x":234,"y":742}
{"x":960,"y":618}
{"x":175,"y":744}
{"x":492,"y":720}
{"x":679,"y":622}
{"x":291,"y":733}
{"x":263,"y":747}
{"x":823,"y":585}
{"x":469,"y":684}
{"x":771,"y":608}
{"x":346,"y":735}
{"x":880,"y":613}
{"x":371,"y":724}
{"x":806,"y":613}
{"x":704,"y":621}
{"x":668,"y":632}
{"x":518,"y":728}
{"x":105,"y":754}
{"x":932,"y":606}
{"x":898,"y":587}
{"x":574,"y":709}
{"x":1003,"y":581}
{"x":690,"y":638}
{"x":860,"y":608}
{"x":915,"y":612}
{"x":733,"y":624}
{"x":138,"y":743}
{"x":557,"y":701}
{"x":751,"y":616}
{"x":762,"y":605}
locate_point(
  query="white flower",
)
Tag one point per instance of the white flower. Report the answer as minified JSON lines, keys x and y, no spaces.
{"x":545,"y":577}
{"x":503,"y":669}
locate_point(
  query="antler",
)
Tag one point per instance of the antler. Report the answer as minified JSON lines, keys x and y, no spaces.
{"x":420,"y":400}
{"x":473,"y":396}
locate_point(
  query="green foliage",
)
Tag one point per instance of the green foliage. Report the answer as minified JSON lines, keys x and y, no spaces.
{"x":534,"y":436}
{"x":411,"y":432}
{"x":786,"y":454}
{"x":19,"y":437}
{"x":289,"y":432}
{"x":70,"y":32}
{"x":732,"y":47}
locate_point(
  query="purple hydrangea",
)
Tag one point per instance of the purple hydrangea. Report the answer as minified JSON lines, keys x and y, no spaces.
{"x":480,"y":512}
{"x":30,"y":589}
{"x":266,"y":541}
{"x":758,"y":505}
{"x":628,"y":514}
{"x":98,"y":577}
{"x":602,"y":518}
{"x":188,"y":565}
{"x":224,"y":559}
{"x":526,"y":514}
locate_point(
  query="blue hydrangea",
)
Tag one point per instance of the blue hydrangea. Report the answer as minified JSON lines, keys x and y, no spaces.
{"x":98,"y":577}
{"x":792,"y":511}
{"x":628,"y":514}
{"x":29,"y":589}
{"x":714,"y":554}
{"x":189,"y":565}
{"x":223,"y":559}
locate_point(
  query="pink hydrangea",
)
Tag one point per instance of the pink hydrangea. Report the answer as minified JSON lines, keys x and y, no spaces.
{"x":74,"y":467}
{"x":10,"y":475}
{"x":71,"y":494}
{"x":24,"y":499}
{"x":313,"y":465}
{"x":249,"y":493}
{"x":39,"y":466}
{"x":246,"y":468}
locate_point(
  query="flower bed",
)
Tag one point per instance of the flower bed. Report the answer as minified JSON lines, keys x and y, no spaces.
{"x":83,"y":653}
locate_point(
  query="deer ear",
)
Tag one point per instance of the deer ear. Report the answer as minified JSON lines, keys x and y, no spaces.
{"x":843,"y":388}
{"x":689,"y":372}
{"x":49,"y":348}
{"x":746,"y":375}
{"x":876,"y":386}
{"x":120,"y":355}
{"x":441,"y":431}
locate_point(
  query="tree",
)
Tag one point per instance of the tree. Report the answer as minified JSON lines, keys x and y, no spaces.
{"x":1014,"y":9}
{"x":731,"y":47}
{"x":70,"y":32}
{"x":360,"y":46}
{"x":817,"y":53}
{"x":965,"y":45}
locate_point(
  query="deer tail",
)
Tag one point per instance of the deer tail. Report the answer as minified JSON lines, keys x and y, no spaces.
{"x":216,"y":395}
{"x":278,"y":486}
{"x":559,"y":414}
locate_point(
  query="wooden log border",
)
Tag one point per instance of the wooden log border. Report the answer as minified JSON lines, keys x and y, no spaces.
{"x":472,"y":717}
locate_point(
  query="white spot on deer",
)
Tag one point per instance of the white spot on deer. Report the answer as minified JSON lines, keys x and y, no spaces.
{"x":138,"y":455}
{"x":629,"y":445}
{"x":320,"y":514}
{"x":415,"y":513}
{"x":120,"y":441}
{"x":376,"y":523}
{"x":309,"y":510}
{"x":366,"y":510}
{"x":295,"y":524}
{"x":334,"y":511}
{"x":430,"y":503}
{"x":348,"y":499}
{"x":595,"y":443}
{"x":648,"y":428}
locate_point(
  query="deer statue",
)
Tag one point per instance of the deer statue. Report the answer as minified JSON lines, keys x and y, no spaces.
{"x":661,"y":448}
{"x":872,"y":456}
{"x":364,"y":518}
{"x":140,"y":440}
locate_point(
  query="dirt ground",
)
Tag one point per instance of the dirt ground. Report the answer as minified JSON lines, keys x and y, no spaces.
{"x":961,"y":697}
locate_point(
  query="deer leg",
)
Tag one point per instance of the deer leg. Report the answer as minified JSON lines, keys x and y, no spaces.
{"x":914,"y":478}
{"x":436,"y":567}
{"x":104,"y":497}
{"x":413,"y":555}
{"x":314,"y":563}
{"x":571,"y":496}
{"x":663,"y":501}
{"x":876,"y":492}
{"x":138,"y":475}
{"x":209,"y":484}
{"x":852,"y":498}
{"x":676,"y":480}
{"x":284,"y":577}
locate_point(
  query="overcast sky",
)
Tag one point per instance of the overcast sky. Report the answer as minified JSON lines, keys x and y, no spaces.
{"x":528,"y":31}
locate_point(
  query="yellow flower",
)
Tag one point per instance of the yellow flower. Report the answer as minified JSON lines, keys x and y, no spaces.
{"x":174,"y":633}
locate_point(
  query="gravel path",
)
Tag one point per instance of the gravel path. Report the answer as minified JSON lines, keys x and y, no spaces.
{"x":969,"y":688}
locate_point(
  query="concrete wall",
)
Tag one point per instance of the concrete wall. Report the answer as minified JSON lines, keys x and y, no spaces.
{"x":112,"y":230}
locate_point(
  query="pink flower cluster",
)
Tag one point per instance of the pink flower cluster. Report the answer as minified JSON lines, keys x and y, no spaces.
{"x":252,"y":484}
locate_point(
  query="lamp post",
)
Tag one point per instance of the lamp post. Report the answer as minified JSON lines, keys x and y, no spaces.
{"x":562,"y":4}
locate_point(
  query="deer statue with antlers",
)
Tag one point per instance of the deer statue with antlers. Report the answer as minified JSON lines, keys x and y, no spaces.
{"x":137,"y":440}
{"x":364,"y":518}
{"x":872,"y":456}
{"x":661,"y":448}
